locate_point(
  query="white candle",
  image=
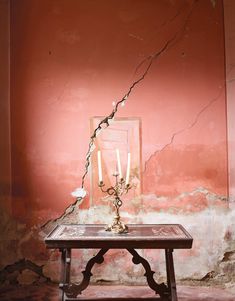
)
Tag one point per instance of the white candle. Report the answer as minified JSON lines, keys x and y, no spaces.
{"x":99,"y":166}
{"x":119,"y":163}
{"x":128,"y":168}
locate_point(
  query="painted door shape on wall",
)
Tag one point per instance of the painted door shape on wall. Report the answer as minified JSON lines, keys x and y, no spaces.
{"x":122,"y":134}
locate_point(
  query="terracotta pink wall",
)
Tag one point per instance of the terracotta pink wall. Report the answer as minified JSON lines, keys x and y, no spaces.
{"x":71,"y":59}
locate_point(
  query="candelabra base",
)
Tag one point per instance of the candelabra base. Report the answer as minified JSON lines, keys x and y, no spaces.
{"x":117,"y":226}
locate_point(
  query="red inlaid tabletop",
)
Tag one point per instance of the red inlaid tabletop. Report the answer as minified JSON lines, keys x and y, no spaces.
{"x":77,"y":235}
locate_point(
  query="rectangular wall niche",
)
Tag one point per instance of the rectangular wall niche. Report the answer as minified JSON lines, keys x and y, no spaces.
{"x":122,"y":134}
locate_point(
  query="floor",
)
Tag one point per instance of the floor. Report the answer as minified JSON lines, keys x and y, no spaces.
{"x":46,"y":292}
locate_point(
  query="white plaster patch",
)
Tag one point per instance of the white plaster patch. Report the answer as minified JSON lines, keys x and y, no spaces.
{"x":79,"y":193}
{"x":208,"y":229}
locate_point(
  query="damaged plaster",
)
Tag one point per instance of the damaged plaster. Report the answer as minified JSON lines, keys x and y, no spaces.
{"x":210,"y":261}
{"x":194,"y":265}
{"x":208,"y":219}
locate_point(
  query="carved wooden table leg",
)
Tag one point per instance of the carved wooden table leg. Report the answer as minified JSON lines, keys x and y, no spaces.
{"x":171,"y":274}
{"x":65,"y":271}
{"x":161,"y":289}
{"x":166,"y":237}
{"x":71,"y":289}
{"x":62,"y":274}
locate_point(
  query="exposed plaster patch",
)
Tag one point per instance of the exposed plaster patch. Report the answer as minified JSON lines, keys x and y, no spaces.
{"x":210,"y":196}
{"x":210,"y":260}
{"x":102,"y":213}
{"x":191,"y":265}
{"x":166,"y":203}
{"x":207,"y":254}
{"x":224,"y":272}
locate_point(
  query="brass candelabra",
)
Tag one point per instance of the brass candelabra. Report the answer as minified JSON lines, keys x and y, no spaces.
{"x":117,"y":226}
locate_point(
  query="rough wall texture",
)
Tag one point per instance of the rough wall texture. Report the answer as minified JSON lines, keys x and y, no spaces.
{"x":69,"y":61}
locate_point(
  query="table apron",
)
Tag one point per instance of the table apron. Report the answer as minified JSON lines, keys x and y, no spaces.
{"x":120,"y":244}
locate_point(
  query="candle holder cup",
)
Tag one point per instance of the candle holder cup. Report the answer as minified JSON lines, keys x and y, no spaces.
{"x":120,"y":187}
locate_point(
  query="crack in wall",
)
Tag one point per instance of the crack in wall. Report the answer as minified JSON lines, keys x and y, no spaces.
{"x":106,"y":121}
{"x":68,"y":210}
{"x":24,"y":264}
{"x":190,"y":126}
{"x":162,"y":25}
{"x":179,"y":11}
{"x":174,"y":39}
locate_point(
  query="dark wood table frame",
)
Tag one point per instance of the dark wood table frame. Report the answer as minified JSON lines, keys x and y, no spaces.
{"x":167,"y":237}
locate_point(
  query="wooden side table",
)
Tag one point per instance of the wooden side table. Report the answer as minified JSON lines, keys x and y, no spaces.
{"x":167,"y":237}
